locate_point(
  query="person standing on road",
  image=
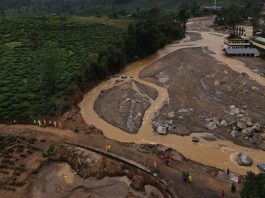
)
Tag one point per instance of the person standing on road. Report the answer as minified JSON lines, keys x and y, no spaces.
{"x":233,"y":188}
{"x":222,"y":194}
{"x":228,"y":172}
{"x":189,"y":178}
{"x":184,"y":177}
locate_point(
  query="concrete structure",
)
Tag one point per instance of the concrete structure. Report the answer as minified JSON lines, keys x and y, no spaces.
{"x":244,"y":31}
{"x":236,"y":41}
{"x":259,"y":42}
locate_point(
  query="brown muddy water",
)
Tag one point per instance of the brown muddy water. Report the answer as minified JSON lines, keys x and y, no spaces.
{"x":219,"y":154}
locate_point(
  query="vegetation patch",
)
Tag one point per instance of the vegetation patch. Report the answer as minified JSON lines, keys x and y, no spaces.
{"x":13,"y":44}
{"x":38,"y":70}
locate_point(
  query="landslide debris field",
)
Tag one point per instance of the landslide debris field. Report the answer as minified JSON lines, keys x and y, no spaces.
{"x":129,"y":100}
{"x":36,"y":167}
{"x":202,"y":94}
{"x":50,"y":162}
{"x":201,"y":90}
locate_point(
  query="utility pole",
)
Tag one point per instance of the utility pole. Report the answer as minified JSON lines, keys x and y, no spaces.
{"x":214,"y":6}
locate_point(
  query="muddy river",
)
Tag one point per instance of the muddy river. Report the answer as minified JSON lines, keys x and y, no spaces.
{"x":220,"y":153}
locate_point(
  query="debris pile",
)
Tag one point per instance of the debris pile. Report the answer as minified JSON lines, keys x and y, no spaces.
{"x":239,"y":125}
{"x":168,"y":124}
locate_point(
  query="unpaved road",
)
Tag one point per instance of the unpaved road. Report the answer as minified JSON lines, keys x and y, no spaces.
{"x":219,"y":153}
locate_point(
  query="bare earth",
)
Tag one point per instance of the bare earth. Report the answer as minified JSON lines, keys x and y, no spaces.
{"x":199,"y":88}
{"x":83,"y":173}
{"x":125,"y":104}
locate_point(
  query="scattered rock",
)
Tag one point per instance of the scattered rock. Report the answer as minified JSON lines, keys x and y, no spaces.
{"x":234,"y":111}
{"x":246,"y":119}
{"x":183,"y":111}
{"x":118,"y":81}
{"x":208,"y":119}
{"x":256,"y":127}
{"x":171,"y":114}
{"x":245,"y":107}
{"x":195,"y":139}
{"x":224,"y":123}
{"x":217,"y":82}
{"x":241,"y":125}
{"x":255,"y":89}
{"x":247,"y":131}
{"x":232,"y":107}
{"x":162,"y":130}
{"x":256,"y":139}
{"x":261,"y":167}
{"x":244,"y":75}
{"x":249,"y":124}
{"x":210,"y":126}
{"x":216,"y":121}
{"x":234,"y":133}
{"x":243,"y":159}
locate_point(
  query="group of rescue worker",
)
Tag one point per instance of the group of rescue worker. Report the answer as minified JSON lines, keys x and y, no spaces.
{"x":49,"y":123}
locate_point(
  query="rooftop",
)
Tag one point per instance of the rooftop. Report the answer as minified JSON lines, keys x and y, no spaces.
{"x":235,"y":51}
{"x":260,"y":40}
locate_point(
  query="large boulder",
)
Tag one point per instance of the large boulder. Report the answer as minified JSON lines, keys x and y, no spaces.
{"x":247,"y":131}
{"x":224,"y":123}
{"x":256,"y":139}
{"x":162,"y":130}
{"x":257,"y":127}
{"x":234,"y":111}
{"x":210,"y":126}
{"x":235,"y":134}
{"x":243,"y":159}
{"x":261,"y":167}
{"x":241,"y":125}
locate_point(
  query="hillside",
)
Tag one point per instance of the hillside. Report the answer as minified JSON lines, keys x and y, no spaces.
{"x":30,"y":47}
{"x":47,"y":62}
{"x":97,"y":7}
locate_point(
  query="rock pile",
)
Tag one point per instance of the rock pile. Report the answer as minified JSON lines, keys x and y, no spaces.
{"x":168,"y":124}
{"x":239,"y":124}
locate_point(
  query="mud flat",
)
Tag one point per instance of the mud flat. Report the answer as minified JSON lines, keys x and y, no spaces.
{"x":256,"y":64}
{"x":194,"y":36}
{"x":125,"y":104}
{"x":200,"y":88}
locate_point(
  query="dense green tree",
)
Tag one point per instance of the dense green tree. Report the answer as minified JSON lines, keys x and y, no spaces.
{"x":50,"y":58}
{"x":253,"y":186}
